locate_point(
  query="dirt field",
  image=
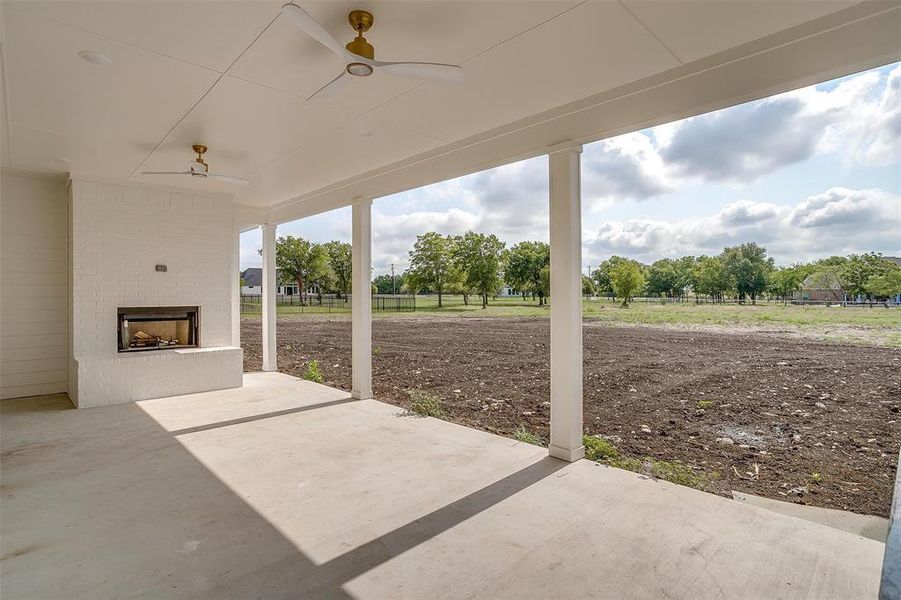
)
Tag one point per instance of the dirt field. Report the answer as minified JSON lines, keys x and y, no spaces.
{"x":787,"y":418}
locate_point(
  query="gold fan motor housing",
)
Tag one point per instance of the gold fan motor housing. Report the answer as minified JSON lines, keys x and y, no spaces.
{"x":361,"y":21}
{"x":200,"y":149}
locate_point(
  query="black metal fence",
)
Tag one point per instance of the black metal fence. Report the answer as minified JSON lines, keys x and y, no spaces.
{"x":327,"y":303}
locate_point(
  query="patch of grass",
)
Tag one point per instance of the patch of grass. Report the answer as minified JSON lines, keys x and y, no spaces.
{"x":676,"y":472}
{"x":522,"y":434}
{"x":816,"y":478}
{"x":313,"y":373}
{"x":599,"y":449}
{"x":604,"y":452}
{"x":376,"y":351}
{"x":626,"y":463}
{"x":877,"y":326}
{"x":705,"y":404}
{"x":425,"y":404}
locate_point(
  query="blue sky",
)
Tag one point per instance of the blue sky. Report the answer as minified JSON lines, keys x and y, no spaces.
{"x":809,"y":173}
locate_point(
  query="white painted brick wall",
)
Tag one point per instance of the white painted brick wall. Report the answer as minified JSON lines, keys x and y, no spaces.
{"x":119,"y":233}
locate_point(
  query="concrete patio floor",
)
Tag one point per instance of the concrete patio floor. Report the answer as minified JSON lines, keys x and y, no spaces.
{"x":289,"y":489}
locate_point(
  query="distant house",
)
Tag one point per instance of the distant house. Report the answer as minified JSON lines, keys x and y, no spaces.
{"x":253,"y":284}
{"x":824,"y":286}
{"x":821,"y":287}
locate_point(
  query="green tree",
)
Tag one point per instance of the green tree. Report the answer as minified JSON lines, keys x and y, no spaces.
{"x":887,"y":285}
{"x":685,"y":272}
{"x":411,"y":285}
{"x":858,"y":269}
{"x":528,"y":269}
{"x":479,"y":258}
{"x":432,"y":263}
{"x":544,"y":280}
{"x":748,"y":268}
{"x":340,"y":259}
{"x":385,"y":285}
{"x":588,"y":287}
{"x":601,"y":275}
{"x":710,"y":277}
{"x":663,"y":279}
{"x":627,"y":280}
{"x":302,"y":261}
{"x":786,"y":281}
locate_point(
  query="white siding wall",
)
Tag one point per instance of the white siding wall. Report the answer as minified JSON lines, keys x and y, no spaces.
{"x":33,"y":285}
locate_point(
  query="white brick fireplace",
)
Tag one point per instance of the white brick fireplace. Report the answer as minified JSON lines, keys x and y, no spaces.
{"x":135,"y":246}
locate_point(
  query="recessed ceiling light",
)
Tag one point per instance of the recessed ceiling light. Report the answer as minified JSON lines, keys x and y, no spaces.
{"x":95,"y":57}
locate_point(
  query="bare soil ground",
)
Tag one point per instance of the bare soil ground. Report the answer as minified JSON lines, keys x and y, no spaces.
{"x":808,"y":422}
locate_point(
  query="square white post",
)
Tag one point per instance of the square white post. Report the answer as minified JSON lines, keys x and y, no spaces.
{"x":361,"y":299}
{"x":566,"y":302}
{"x":236,"y":288}
{"x":269,"y":291}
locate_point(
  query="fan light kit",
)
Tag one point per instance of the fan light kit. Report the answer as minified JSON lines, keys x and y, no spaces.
{"x":95,"y":58}
{"x":359,"y":55}
{"x":199,"y":168}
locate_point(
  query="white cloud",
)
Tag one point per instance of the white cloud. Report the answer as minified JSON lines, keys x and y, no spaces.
{"x":838,"y":221}
{"x":393,"y":235}
{"x":859,"y":119}
{"x":846,"y":211}
{"x":627,"y":167}
{"x":870,"y":132}
{"x":744,"y":142}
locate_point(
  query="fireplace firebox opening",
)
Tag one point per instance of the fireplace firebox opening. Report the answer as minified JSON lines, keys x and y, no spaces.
{"x":158,"y":328}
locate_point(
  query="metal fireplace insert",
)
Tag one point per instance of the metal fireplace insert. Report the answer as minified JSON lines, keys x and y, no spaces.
{"x":158,"y":328}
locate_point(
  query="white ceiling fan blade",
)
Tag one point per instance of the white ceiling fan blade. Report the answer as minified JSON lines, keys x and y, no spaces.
{"x":165,"y":172}
{"x":228,"y":179}
{"x":423,"y":70}
{"x":302,"y":19}
{"x":332,"y":87}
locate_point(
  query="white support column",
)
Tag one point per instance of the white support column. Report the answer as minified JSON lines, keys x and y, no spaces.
{"x":566,"y":302}
{"x":236,"y":288}
{"x":362,"y":300}
{"x":269,"y":291}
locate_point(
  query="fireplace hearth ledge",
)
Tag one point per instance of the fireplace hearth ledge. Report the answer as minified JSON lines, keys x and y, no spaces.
{"x":203,"y":350}
{"x":130,"y":377}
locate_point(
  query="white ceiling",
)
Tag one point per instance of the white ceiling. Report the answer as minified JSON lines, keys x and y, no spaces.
{"x":234,"y":75}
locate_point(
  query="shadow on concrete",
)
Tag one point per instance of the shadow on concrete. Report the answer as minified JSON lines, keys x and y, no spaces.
{"x":320,"y":581}
{"x":269,"y":415}
{"x":105,"y":503}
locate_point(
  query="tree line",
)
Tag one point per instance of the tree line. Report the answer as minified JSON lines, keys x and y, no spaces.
{"x":480,"y":265}
{"x":744,"y":272}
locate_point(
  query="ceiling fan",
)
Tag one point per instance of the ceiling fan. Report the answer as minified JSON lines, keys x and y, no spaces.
{"x":199,"y":168}
{"x":359,"y":55}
